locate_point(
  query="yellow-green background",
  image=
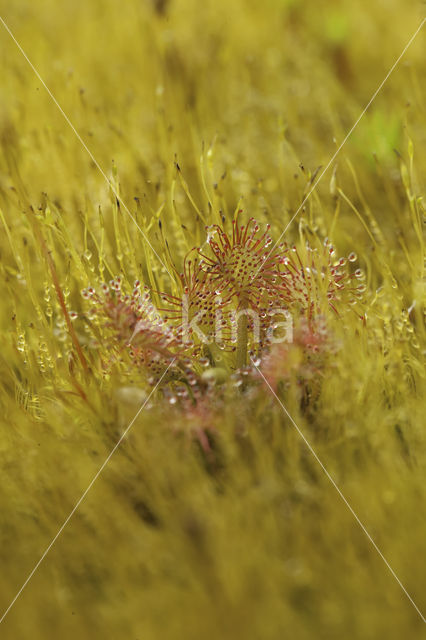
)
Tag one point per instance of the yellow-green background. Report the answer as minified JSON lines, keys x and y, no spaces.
{"x":240,"y":94}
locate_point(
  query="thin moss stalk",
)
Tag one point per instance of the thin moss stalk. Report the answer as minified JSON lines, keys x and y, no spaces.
{"x":242,"y":339}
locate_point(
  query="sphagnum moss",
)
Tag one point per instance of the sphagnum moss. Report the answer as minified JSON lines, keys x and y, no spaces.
{"x":212,"y":519}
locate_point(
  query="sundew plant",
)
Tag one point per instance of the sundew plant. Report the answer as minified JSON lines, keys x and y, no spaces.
{"x":212,"y":320}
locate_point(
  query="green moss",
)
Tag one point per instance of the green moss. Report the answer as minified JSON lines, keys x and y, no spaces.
{"x":212,"y":519}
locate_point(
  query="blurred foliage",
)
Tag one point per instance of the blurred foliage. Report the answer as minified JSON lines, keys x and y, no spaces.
{"x":193,"y":110}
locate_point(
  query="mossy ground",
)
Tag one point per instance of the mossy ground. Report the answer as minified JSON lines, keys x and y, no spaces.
{"x":249,"y":98}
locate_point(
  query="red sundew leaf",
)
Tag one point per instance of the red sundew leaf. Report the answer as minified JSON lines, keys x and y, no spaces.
{"x":243,"y":264}
{"x":132,"y":325}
